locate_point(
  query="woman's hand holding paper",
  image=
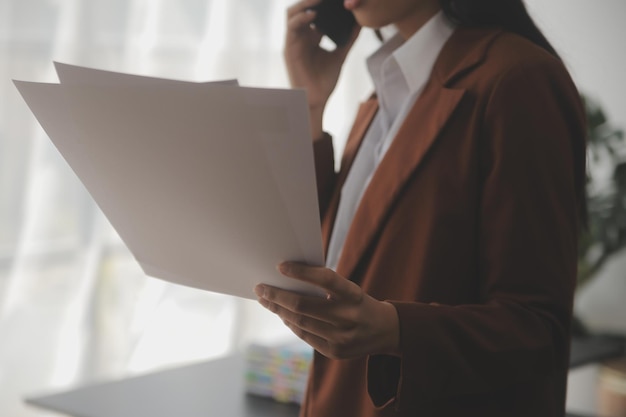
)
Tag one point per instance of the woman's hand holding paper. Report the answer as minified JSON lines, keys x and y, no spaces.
{"x":348,"y":323}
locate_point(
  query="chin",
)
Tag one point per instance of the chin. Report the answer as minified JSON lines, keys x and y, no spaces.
{"x":368,"y":21}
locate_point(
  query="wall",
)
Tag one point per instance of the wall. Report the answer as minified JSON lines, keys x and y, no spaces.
{"x":590,"y":35}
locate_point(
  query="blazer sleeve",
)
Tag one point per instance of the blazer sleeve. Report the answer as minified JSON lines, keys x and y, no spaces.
{"x":323,"y":154}
{"x":533,"y":128}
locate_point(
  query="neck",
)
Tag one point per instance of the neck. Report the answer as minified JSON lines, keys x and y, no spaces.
{"x":411,"y":23}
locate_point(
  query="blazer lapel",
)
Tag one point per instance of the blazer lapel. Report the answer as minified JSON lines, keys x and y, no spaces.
{"x":364,"y":118}
{"x":416,"y":136}
{"x":464,"y":51}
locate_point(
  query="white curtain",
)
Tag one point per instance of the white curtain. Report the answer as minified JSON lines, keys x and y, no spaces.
{"x":74,"y":305}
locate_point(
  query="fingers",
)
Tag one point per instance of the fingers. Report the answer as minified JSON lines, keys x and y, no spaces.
{"x":276,"y":299}
{"x":300,"y":27}
{"x":327,"y":279}
{"x":308,"y":323}
{"x":332,"y":337}
{"x":301,"y":20}
{"x":300,"y":7}
{"x":318,"y":343}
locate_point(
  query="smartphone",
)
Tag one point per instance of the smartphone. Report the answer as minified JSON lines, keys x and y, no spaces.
{"x":334,"y":21}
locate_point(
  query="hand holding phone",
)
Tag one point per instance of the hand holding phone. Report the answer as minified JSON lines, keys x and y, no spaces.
{"x":310,"y":66}
{"x":334,"y":21}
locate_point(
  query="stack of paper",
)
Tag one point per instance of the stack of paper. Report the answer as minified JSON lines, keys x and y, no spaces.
{"x":210,"y":185}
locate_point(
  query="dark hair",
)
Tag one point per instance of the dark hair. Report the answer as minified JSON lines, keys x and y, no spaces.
{"x":510,"y":15}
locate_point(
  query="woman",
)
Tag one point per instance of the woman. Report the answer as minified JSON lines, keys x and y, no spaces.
{"x":451,"y":228}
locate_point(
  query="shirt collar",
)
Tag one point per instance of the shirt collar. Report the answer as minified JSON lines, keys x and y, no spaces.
{"x":415,"y":57}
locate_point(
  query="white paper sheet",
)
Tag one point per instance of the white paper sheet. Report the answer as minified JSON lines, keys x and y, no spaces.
{"x":209,"y":185}
{"x":74,"y":74}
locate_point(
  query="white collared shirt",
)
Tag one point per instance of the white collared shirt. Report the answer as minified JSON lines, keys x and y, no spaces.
{"x":399,"y":71}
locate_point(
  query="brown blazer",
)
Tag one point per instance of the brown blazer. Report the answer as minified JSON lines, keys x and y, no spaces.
{"x":469,"y":227}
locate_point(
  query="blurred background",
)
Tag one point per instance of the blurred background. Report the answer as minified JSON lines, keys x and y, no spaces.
{"x":74,"y":305}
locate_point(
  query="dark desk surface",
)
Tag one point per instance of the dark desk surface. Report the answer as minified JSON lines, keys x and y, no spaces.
{"x":213,"y":388}
{"x":596,"y":348}
{"x":216,"y":388}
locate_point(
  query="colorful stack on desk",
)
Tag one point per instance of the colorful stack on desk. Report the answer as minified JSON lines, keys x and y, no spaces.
{"x":279,"y":372}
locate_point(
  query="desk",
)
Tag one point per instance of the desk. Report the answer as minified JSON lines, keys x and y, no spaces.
{"x":217,"y":388}
{"x":596,"y":348}
{"x":207,"y":389}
